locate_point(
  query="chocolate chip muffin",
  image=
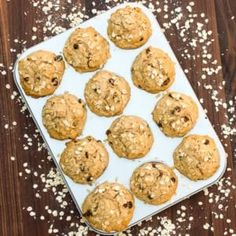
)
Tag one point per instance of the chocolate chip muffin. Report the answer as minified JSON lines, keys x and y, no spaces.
{"x":109,"y":207}
{"x":197,"y":157}
{"x":86,"y":50}
{"x":64,"y":116}
{"x":41,"y":73}
{"x":130,"y":137}
{"x":175,"y":114}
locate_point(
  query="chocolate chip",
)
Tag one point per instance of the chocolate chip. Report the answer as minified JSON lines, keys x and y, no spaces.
{"x":54,"y":81}
{"x":153,"y":165}
{"x":173,"y":179}
{"x":80,"y":100}
{"x":150,"y":196}
{"x":166,"y":82}
{"x":99,"y":141}
{"x":58,"y":58}
{"x":176,"y":109}
{"x":148,"y":50}
{"x":89,"y":139}
{"x":89,"y":178}
{"x":86,"y":154}
{"x":160,"y":173}
{"x":170,"y":95}
{"x":186,"y":119}
{"x":38,"y":78}
{"x":75,"y":46}
{"x":110,"y":143}
{"x":26,"y":79}
{"x":111,"y":81}
{"x":108,"y":132}
{"x":95,"y":90}
{"x":206,"y":142}
{"x":88,"y":213}
{"x":128,"y":205}
{"x":159,"y":124}
{"x":141,"y":39}
{"x":139,"y":86}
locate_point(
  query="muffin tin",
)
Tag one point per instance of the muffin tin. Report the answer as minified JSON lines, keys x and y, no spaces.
{"x":140,"y":104}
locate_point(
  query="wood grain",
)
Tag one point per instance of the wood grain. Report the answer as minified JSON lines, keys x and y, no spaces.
{"x":17,"y":193}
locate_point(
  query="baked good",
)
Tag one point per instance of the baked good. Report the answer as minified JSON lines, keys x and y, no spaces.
{"x":84,"y":160}
{"x":129,"y":27}
{"x":64,"y":116}
{"x":130,"y":137}
{"x":153,"y":183}
{"x":41,"y":73}
{"x":153,"y":70}
{"x":175,"y":114}
{"x":86,"y":50}
{"x":197,"y":157}
{"x":109,"y":207}
{"x":107,"y":94}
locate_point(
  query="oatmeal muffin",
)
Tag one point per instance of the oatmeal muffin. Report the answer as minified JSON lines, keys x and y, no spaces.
{"x":129,"y":28}
{"x":175,"y":114}
{"x":86,"y":50}
{"x":64,"y":116}
{"x":107,"y":94}
{"x":109,"y":207}
{"x":154,"y":183}
{"x":84,"y":160}
{"x":153,"y":70}
{"x":130,"y":137}
{"x":41,"y":73}
{"x":197,"y":157}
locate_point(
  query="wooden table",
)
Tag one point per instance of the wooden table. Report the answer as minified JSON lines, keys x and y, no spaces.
{"x":17,"y":193}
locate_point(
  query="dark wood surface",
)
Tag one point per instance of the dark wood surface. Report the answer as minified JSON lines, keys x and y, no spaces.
{"x":17,"y":17}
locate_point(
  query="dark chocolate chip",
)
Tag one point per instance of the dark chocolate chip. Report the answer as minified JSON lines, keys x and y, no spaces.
{"x":141,"y":39}
{"x":89,"y":139}
{"x":206,"y":142}
{"x":139,"y":86}
{"x":128,"y":205}
{"x":108,"y":132}
{"x":89,"y":178}
{"x":153,"y":165}
{"x":58,"y":58}
{"x":148,"y":50}
{"x":75,"y":46}
{"x":159,"y":124}
{"x":80,"y":100}
{"x":88,"y":213}
{"x":176,"y":109}
{"x":170,"y":95}
{"x":110,"y":143}
{"x":150,"y":196}
{"x":26,"y":79}
{"x":186,"y":119}
{"x":38,"y":78}
{"x":99,"y":141}
{"x":173,"y":179}
{"x":54,"y":81}
{"x":86,"y":154}
{"x":111,"y":81}
{"x":166,"y":82}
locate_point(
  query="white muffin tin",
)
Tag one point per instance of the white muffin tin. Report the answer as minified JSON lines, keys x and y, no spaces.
{"x":140,"y":104}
